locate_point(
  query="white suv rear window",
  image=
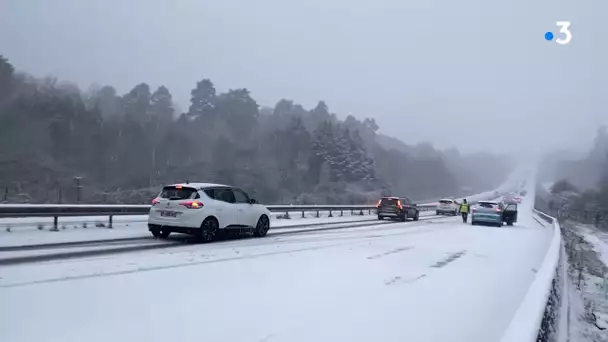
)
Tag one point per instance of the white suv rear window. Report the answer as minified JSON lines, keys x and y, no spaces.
{"x":446,"y":202}
{"x":178,"y":193}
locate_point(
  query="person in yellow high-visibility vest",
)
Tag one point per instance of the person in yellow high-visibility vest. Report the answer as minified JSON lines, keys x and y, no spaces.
{"x":464,"y":210}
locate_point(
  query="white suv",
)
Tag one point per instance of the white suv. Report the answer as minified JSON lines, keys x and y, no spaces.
{"x":447,"y":206}
{"x":203,"y":209}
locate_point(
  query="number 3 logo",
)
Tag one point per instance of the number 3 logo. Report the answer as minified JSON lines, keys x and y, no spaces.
{"x":564,"y":25}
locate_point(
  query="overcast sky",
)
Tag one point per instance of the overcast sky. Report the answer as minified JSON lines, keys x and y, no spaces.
{"x":474,"y":74}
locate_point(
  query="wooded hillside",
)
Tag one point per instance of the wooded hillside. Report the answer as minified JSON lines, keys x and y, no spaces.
{"x":122,"y":148}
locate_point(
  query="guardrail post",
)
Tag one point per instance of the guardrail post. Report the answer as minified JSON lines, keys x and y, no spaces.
{"x":55,"y":226}
{"x":352,"y":212}
{"x":287,"y":215}
{"x":302,"y":213}
{"x":330,"y":215}
{"x":370,"y":211}
{"x":361,"y":212}
{"x":78,"y":188}
{"x":318,"y":213}
{"x":342,"y":212}
{"x":110,"y":221}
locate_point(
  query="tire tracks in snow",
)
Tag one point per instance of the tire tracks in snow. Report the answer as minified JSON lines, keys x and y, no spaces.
{"x":402,"y":280}
{"x":188,"y":242}
{"x":343,"y":241}
{"x":449,"y":259}
{"x":396,"y":280}
{"x":178,"y":265}
{"x":394,"y":251}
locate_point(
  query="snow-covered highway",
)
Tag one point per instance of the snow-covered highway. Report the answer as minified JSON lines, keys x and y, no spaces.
{"x":433,"y":280}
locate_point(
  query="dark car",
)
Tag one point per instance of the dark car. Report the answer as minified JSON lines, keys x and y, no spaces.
{"x":397,"y":208}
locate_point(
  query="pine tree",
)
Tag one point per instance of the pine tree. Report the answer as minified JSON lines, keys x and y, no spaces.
{"x":136,"y":103}
{"x":7,"y":72}
{"x":161,"y":105}
{"x":342,"y":160}
{"x":240,"y":114}
{"x":321,"y":147}
{"x":107,"y":102}
{"x":202,"y":101}
{"x":365,"y":163}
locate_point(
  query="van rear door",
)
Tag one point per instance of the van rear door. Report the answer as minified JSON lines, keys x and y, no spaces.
{"x":389,"y":206}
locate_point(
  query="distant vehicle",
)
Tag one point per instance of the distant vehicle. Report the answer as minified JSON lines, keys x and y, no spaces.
{"x":397,"y":208}
{"x":447,"y":207}
{"x":204,"y":210}
{"x":493,"y":213}
{"x":517,"y":199}
{"x":509,"y":200}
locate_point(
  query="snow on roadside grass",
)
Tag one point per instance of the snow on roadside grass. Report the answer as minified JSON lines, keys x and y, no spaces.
{"x":128,"y":228}
{"x":599,"y":241}
{"x":588,"y":289}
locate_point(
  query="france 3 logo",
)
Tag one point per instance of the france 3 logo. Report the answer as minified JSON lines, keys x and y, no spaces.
{"x":564,"y":28}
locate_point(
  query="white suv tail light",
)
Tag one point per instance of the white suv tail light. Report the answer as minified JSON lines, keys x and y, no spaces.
{"x":192,"y":204}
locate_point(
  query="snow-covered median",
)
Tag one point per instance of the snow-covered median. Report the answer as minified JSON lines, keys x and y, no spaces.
{"x":134,"y":226}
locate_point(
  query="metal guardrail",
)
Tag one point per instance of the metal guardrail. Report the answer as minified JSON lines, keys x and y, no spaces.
{"x":88,"y":210}
{"x":75,"y":210}
{"x":535,"y":319}
{"x":51,"y":210}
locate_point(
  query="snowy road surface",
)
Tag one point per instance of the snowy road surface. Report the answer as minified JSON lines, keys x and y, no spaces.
{"x":435,"y":280}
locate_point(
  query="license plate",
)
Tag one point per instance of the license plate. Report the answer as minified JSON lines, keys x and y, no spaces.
{"x":168,"y":213}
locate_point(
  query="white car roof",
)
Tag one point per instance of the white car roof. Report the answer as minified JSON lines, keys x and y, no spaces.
{"x":447,"y":199}
{"x":199,"y":185}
